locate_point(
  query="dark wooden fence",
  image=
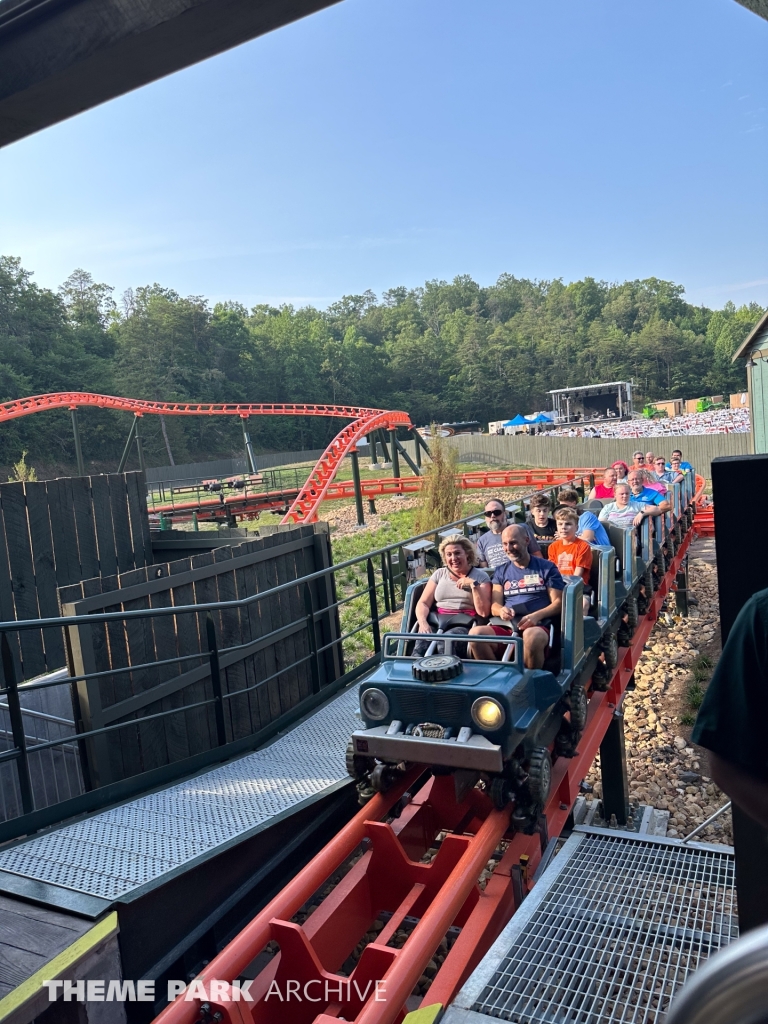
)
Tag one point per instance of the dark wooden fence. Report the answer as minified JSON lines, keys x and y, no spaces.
{"x":271,"y":654}
{"x":55,"y":533}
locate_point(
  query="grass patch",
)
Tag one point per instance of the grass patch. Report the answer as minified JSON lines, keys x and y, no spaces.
{"x":696,"y":685}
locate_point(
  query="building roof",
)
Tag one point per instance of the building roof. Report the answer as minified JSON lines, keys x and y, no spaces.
{"x":591,"y":387}
{"x":758,"y":333}
{"x":758,"y":6}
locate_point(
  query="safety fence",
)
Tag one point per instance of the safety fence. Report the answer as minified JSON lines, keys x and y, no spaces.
{"x":206,"y":653}
{"x":546,"y":450}
{"x":56,"y":532}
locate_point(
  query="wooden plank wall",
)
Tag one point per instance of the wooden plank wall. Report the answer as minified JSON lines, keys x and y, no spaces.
{"x":554,"y":452}
{"x":274,"y":674}
{"x":55,"y":533}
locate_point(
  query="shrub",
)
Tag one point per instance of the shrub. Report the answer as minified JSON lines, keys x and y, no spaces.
{"x":22,"y":472}
{"x":441,"y":498}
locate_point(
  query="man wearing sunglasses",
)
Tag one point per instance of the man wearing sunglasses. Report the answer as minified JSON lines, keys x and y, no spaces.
{"x":489,"y":549}
{"x":638,"y":460}
{"x":664,"y":475}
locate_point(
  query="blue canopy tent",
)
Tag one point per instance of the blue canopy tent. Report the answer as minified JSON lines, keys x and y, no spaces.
{"x":541,"y":418}
{"x":518,"y":421}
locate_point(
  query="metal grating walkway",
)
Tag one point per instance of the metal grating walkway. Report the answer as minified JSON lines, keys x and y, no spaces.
{"x":119,"y":850}
{"x":609,"y":933}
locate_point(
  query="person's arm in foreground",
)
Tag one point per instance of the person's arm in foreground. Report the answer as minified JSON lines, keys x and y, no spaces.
{"x":750,"y":793}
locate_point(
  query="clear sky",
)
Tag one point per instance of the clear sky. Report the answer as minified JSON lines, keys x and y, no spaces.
{"x":385,"y":142}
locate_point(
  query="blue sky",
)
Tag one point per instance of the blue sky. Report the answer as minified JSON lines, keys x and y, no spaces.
{"x":385,"y":142}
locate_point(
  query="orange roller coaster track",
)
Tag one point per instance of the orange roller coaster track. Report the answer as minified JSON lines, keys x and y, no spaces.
{"x":306,"y":503}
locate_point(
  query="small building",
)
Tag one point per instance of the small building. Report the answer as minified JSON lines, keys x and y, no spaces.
{"x":754,"y":349}
{"x":673,"y":407}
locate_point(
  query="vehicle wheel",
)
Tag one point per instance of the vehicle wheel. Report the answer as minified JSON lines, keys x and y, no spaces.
{"x":601,"y":677}
{"x":610,"y":648}
{"x":579,"y":707}
{"x":661,"y":562}
{"x":649,"y":580}
{"x":500,"y":792}
{"x":642,"y":604}
{"x":358,"y":767}
{"x":539,"y":776}
{"x":382,"y":777}
{"x":632,"y":613}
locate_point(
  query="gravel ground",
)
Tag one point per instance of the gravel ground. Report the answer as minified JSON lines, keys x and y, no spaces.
{"x":343,"y":520}
{"x":665,"y":771}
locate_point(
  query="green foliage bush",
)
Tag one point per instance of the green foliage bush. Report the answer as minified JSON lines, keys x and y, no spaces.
{"x":445,"y":351}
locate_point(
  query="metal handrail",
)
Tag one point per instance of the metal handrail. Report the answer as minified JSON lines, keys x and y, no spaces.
{"x":144,"y":613}
{"x":386,"y":584}
{"x":731,"y":988}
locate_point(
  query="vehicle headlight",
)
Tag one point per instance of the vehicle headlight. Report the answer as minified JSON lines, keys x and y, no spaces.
{"x":488,"y":714}
{"x":374,"y":703}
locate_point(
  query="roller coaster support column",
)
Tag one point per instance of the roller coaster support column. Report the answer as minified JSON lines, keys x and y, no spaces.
{"x":613,"y":770}
{"x":128,"y":443}
{"x":395,"y":457}
{"x":404,"y":452}
{"x":681,"y":593}
{"x":417,"y":447}
{"x":78,"y":447}
{"x":372,"y":445}
{"x":250,"y":458}
{"x":140,"y":446}
{"x":358,"y":489}
{"x":387,"y":463}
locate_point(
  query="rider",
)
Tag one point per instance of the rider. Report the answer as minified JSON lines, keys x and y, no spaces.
{"x":605,"y":489}
{"x":590,"y":528}
{"x":458,"y":587}
{"x":526,"y":591}
{"x":490,"y":553}
{"x":540,"y":520}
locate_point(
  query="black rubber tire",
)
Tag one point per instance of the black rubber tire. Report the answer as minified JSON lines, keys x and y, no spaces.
{"x":632,"y":613}
{"x":499,"y":792}
{"x":358,"y":767}
{"x":610,"y":648}
{"x":661,"y":562}
{"x":539,"y":780}
{"x":601,"y":678}
{"x":579,"y":707}
{"x":648,"y":582}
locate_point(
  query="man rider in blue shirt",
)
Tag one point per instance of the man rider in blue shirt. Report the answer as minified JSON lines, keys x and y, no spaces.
{"x":646,"y":495}
{"x":527,"y":591}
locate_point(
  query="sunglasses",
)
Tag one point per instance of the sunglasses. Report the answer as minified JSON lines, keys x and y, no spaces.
{"x":494,"y":512}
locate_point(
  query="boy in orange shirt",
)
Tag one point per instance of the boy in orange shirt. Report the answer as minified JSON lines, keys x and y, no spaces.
{"x":571,"y":554}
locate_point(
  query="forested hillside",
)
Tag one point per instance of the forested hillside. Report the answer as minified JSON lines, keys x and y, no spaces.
{"x":441,"y":352}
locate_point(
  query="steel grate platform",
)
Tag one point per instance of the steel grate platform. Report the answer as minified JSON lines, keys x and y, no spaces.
{"x":609,"y":933}
{"x":119,"y":850}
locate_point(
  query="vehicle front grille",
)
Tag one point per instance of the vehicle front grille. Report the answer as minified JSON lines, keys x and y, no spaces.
{"x":431,"y":704}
